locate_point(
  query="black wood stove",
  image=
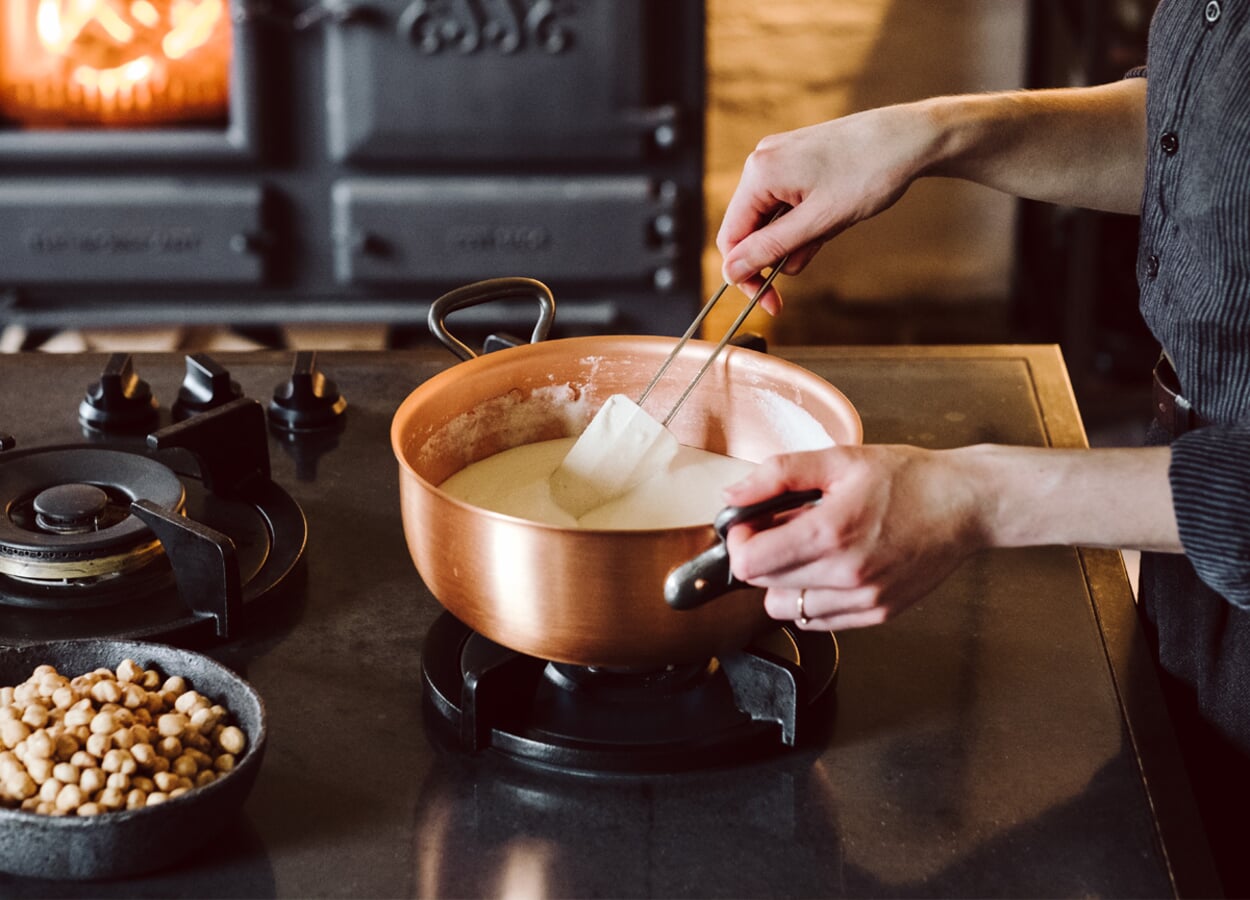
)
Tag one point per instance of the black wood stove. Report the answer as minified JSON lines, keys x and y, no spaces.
{"x":258,"y":162}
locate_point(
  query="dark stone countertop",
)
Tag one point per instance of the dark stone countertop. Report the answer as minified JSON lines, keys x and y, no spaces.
{"x":1005,"y":737}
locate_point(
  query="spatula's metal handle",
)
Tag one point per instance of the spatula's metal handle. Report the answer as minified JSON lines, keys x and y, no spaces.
{"x":708,"y":576}
{"x":698,"y":321}
{"x":733,"y":329}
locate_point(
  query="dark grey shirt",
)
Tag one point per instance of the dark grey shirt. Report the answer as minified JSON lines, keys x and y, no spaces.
{"x":1193,"y":269}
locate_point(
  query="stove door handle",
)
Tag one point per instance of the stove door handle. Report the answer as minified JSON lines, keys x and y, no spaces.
{"x":708,"y":575}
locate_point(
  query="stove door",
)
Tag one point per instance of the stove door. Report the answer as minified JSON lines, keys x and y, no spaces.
{"x":431,"y":80}
{"x":132,"y":231}
{"x":608,"y":228}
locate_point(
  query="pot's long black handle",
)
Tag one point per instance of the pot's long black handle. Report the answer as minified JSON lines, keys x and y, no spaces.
{"x":485,"y":292}
{"x":707,"y":576}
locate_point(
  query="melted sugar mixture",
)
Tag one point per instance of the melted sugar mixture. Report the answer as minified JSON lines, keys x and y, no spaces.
{"x":516,"y":482}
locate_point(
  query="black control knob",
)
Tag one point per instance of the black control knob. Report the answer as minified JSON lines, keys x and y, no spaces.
{"x":308,"y":400}
{"x":206,"y":385}
{"x":120,"y":401}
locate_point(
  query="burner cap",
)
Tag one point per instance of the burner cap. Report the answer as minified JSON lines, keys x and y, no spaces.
{"x":67,"y":512}
{"x":70,"y":508}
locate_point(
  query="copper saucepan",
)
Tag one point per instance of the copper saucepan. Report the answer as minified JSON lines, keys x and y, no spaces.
{"x":589,"y":597}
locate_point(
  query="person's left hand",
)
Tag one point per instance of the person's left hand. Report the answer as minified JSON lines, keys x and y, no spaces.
{"x":894,"y":522}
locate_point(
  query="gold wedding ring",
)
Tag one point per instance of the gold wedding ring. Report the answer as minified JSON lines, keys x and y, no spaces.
{"x":801,"y":618}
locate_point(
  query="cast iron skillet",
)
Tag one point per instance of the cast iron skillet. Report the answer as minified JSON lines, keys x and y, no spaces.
{"x":128,"y":842}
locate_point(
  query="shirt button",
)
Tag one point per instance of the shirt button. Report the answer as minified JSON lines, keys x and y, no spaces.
{"x":1170,"y":142}
{"x":1212,"y":12}
{"x":1152,"y":266}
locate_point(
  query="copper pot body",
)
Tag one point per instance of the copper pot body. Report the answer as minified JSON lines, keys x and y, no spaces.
{"x":592,"y":597}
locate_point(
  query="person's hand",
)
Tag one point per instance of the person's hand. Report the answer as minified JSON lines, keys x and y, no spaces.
{"x":894,"y":521}
{"x":832,"y":175}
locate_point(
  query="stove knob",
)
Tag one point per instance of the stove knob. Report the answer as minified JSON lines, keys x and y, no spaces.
{"x":207,"y":385}
{"x":120,"y":401}
{"x":307,"y":401}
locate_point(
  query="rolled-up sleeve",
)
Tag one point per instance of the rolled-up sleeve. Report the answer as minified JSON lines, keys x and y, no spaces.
{"x":1210,"y":479}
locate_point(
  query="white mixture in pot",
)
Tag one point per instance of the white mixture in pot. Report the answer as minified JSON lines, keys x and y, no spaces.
{"x":516,"y":482}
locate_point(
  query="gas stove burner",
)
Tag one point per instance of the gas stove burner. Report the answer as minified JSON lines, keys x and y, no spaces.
{"x":172,"y":539}
{"x":67,"y":513}
{"x":598,"y":721}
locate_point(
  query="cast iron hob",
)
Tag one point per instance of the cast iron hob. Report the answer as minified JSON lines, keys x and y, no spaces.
{"x":730,"y":709}
{"x":184,"y":530}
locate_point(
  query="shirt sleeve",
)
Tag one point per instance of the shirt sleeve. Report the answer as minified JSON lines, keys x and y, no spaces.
{"x":1136,"y":72}
{"x":1210,"y":479}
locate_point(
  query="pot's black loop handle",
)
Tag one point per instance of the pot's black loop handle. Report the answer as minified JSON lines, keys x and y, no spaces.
{"x":485,"y":292}
{"x":707,"y":576}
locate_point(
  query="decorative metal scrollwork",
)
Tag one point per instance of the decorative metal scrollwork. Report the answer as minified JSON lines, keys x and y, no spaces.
{"x":471,"y":26}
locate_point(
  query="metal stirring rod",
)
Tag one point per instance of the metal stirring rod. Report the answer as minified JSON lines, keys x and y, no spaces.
{"x":694,"y":326}
{"x":728,"y":336}
{"x":698,"y":320}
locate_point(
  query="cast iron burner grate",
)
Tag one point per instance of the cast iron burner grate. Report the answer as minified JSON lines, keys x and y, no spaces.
{"x":169,"y":539}
{"x":731,"y":709}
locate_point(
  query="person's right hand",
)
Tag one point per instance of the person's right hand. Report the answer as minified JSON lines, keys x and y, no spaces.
{"x":832,"y":175}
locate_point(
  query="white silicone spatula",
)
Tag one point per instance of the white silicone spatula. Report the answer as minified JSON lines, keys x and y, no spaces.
{"x":621,"y":447}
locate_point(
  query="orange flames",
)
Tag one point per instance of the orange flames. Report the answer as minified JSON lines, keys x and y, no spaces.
{"x":114,"y":62}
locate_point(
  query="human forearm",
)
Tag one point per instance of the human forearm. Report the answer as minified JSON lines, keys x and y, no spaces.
{"x":1079,"y":146}
{"x":895,"y":520}
{"x":1093,"y":498}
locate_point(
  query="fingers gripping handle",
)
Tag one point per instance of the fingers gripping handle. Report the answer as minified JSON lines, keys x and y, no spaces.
{"x":708,"y":576}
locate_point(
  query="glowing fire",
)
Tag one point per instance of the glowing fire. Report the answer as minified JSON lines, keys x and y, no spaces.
{"x":114,"y":61}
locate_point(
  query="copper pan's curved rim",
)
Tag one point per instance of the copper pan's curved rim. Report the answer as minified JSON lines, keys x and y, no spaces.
{"x":586,"y":358}
{"x":586,"y":596}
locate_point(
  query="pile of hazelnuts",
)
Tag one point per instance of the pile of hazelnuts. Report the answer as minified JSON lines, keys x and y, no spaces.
{"x":109,"y":740}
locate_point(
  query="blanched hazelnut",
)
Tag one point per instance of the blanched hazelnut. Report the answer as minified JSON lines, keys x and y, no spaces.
{"x":40,"y":745}
{"x":143,"y":754}
{"x":39,"y":768}
{"x":69,"y":798}
{"x":232,"y":740}
{"x":20,"y":786}
{"x":106,"y":691}
{"x":99,"y":744}
{"x":117,"y":760}
{"x":49,"y":789}
{"x":171,"y":724}
{"x":35,"y":715}
{"x":13,"y":732}
{"x":103,"y":723}
{"x":206,"y":776}
{"x":91,"y":780}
